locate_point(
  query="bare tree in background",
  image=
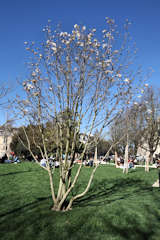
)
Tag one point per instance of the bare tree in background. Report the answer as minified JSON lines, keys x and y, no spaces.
{"x":88,"y":77}
{"x":151,"y":124}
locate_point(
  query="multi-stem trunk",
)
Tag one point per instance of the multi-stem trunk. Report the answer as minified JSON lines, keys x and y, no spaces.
{"x":125,"y":169}
{"x":151,"y":157}
{"x":116,"y":157}
{"x":147,"y":164}
{"x":95,"y":156}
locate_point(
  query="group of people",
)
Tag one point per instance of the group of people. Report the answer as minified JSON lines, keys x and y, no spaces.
{"x":131,"y":162}
{"x":52,"y":163}
{"x":12,"y":158}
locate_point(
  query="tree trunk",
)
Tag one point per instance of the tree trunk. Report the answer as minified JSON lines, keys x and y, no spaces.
{"x":116,"y":156}
{"x":95,"y":157}
{"x":125,"y":169}
{"x":147,"y":164}
{"x":151,"y":157}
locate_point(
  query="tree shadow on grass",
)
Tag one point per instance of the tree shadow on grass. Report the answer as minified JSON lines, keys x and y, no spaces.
{"x":118,"y":189}
{"x":120,"y":223}
{"x":18,"y":172}
{"x":131,"y":227}
{"x":28,"y":205}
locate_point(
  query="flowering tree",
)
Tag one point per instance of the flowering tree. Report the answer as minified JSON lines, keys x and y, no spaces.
{"x":84,"y":74}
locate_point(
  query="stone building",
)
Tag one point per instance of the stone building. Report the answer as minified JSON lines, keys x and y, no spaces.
{"x":5,"y":140}
{"x":144,"y":151}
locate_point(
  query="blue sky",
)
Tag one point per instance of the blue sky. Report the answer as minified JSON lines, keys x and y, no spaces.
{"x":22,"y":20}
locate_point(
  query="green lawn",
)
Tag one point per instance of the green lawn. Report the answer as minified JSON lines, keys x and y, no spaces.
{"x":116,"y":207}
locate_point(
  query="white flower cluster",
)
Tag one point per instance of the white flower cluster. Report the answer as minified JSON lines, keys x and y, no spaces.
{"x":135,"y":103}
{"x":126,"y":80}
{"x":27,"y":86}
{"x":52,"y":45}
{"x":33,"y":74}
{"x":108,"y":72}
{"x":119,"y":75}
{"x":104,"y":45}
{"x":149,"y":111}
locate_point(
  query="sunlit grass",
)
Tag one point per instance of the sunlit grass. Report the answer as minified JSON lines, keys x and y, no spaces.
{"x":116,"y":207}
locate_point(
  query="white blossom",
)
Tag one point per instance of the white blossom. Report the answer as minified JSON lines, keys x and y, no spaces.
{"x":67,"y":58}
{"x":61,"y":34}
{"x":149,"y":111}
{"x":33,"y":74}
{"x":25,"y":102}
{"x":37,"y":70}
{"x":82,"y":44}
{"x":104,"y":45}
{"x":119,"y":75}
{"x":29,"y":86}
{"x":90,"y":36}
{"x":126,"y":80}
{"x":25,"y":111}
{"x":108,"y":34}
{"x":78,"y":35}
{"x":36,"y":94}
{"x":83,"y":28}
{"x":53,"y":44}
{"x":108,"y":61}
{"x":75,"y":26}
{"x":108,"y":71}
{"x":54,"y":49}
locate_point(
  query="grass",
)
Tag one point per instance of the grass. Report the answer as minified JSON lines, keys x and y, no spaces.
{"x":117,"y":206}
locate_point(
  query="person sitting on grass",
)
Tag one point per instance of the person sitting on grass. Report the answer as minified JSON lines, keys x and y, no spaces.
{"x":16,"y":159}
{"x":131,"y":163}
{"x":5,"y":159}
{"x":158,"y":163}
{"x":43,"y":162}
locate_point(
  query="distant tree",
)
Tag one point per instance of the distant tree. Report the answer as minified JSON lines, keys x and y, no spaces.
{"x":117,"y":133}
{"x":130,"y":126}
{"x":103,"y":147}
{"x":151,"y":124}
{"x":19,"y":141}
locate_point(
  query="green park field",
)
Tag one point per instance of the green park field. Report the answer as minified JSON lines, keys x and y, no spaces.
{"x":117,"y":206}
